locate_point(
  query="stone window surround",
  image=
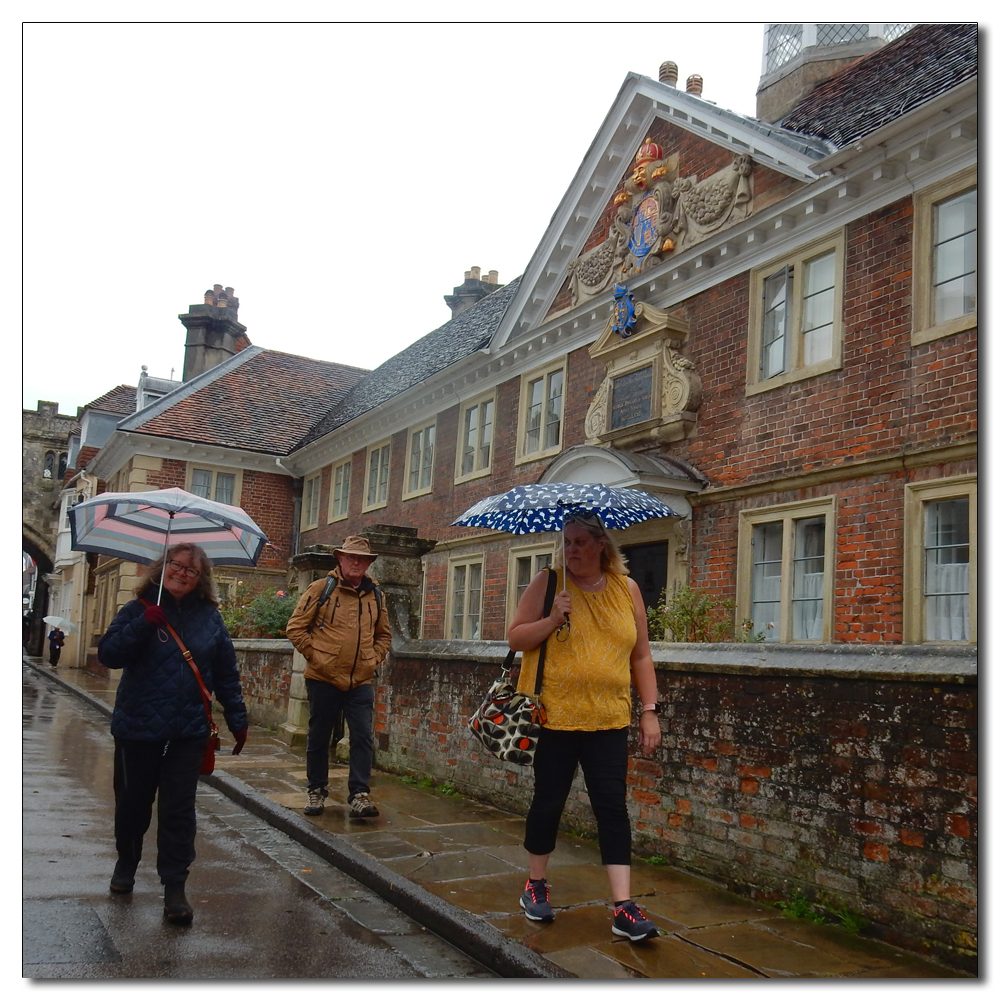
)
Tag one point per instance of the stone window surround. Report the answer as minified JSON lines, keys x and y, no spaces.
{"x":924,"y":202}
{"x":331,"y":514}
{"x":214,"y":470}
{"x":522,"y":552}
{"x":527,"y":378}
{"x":476,"y":473}
{"x":755,"y":327}
{"x":787,"y":512}
{"x":916,"y":495}
{"x":311,"y":487}
{"x":466,"y":559}
{"x":407,"y":493}
{"x":385,"y":443}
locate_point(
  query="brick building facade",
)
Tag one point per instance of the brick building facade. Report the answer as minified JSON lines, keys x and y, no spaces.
{"x":851,"y":457}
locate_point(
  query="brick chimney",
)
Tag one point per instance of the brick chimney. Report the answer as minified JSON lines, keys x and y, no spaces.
{"x":474,"y":288}
{"x":213,"y":332}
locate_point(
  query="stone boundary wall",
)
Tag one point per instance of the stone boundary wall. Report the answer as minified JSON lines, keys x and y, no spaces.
{"x":265,"y":673}
{"x":845,"y":773}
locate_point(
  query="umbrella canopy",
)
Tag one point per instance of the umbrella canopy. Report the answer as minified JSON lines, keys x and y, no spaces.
{"x":64,"y":623}
{"x":545,"y":507}
{"x":138,"y":526}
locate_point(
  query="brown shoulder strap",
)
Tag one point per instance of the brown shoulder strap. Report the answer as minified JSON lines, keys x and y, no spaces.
{"x":186,"y":653}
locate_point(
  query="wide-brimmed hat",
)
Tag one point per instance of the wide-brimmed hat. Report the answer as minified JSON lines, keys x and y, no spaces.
{"x":355,"y":545}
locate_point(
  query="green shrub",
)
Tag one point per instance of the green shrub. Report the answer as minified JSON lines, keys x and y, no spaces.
{"x":692,"y":616}
{"x":263,"y":616}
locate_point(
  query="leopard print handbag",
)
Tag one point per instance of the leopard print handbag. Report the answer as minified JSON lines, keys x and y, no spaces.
{"x":508,"y":722}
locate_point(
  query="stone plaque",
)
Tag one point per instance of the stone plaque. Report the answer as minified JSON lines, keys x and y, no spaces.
{"x":631,"y":398}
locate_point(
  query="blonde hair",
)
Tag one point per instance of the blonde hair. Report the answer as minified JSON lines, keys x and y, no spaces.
{"x":205,"y":588}
{"x":612,"y":560}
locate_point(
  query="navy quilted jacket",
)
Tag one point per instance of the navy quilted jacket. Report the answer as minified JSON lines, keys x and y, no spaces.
{"x":158,"y":695}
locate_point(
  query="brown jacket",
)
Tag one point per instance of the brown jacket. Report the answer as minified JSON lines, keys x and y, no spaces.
{"x":350,"y":636}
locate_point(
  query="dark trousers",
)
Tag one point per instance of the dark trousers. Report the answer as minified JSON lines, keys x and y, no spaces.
{"x":603,"y":755}
{"x":143,"y":768}
{"x":358,"y":705}
{"x":54,"y":652}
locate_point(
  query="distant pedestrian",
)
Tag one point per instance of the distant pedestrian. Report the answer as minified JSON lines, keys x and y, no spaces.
{"x":56,"y":639}
{"x":343,"y":638}
{"x":159,"y":722}
{"x":593,"y":655}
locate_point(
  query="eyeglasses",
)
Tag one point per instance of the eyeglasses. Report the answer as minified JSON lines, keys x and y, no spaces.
{"x":186,"y":570}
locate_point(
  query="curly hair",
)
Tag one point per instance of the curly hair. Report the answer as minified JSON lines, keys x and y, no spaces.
{"x":205,"y":588}
{"x":612,"y":560}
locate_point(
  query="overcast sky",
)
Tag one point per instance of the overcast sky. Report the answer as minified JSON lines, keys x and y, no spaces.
{"x":341,"y":177}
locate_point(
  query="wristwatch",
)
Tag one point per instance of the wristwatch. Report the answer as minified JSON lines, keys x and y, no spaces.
{"x":656,"y":708}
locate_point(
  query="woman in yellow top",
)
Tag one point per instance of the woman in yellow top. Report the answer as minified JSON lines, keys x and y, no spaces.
{"x":589,"y":664}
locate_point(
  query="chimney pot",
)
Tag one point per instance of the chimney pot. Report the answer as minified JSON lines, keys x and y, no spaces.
{"x":209,"y":297}
{"x":468,"y":275}
{"x":475,"y":273}
{"x":493,"y":277}
{"x":217,"y":288}
{"x":668,"y":73}
{"x":695,"y":84}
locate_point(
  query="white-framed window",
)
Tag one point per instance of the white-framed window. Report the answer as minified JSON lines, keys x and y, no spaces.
{"x":214,"y":483}
{"x":940,"y":566}
{"x":420,"y":461}
{"x":310,"y":501}
{"x":540,"y":416}
{"x":475,"y":439}
{"x":377,"y":475}
{"x":340,"y":491}
{"x":796,"y":310}
{"x":785,"y":571}
{"x":465,"y":597}
{"x":523,"y":565}
{"x":945,"y":258}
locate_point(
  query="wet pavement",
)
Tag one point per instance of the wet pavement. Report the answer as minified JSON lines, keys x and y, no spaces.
{"x":457,"y":867}
{"x":265,"y":908}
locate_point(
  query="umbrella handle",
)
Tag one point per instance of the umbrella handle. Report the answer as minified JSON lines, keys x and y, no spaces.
{"x":166,"y":546}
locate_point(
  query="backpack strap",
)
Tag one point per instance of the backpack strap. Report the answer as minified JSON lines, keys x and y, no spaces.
{"x":328,"y":586}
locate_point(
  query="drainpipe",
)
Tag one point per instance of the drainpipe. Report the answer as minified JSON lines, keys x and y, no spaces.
{"x":296,"y":506}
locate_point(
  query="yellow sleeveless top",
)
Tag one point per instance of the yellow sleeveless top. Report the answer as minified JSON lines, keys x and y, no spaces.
{"x":586,"y":681}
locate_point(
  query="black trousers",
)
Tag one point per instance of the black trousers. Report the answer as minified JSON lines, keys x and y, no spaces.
{"x":54,"y":652}
{"x":144,"y":768}
{"x":358,"y":706}
{"x":603,"y":755}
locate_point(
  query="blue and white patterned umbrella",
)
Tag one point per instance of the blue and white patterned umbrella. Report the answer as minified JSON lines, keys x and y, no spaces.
{"x":545,"y":507}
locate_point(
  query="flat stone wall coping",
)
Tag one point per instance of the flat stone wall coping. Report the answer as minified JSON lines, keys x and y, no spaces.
{"x":264,"y":645}
{"x":930,"y":664}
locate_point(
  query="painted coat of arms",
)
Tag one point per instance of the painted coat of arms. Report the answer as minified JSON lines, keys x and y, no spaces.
{"x":657,"y":213}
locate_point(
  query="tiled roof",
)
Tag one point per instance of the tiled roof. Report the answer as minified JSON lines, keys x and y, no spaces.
{"x":121,"y":399}
{"x":85,"y":455}
{"x":457,"y":339}
{"x":930,"y":59}
{"x":264,"y":402}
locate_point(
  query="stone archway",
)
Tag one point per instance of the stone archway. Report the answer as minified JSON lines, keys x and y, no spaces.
{"x":44,"y":565}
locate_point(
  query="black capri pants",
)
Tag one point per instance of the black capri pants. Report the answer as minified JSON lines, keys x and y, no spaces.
{"x":603,"y":755}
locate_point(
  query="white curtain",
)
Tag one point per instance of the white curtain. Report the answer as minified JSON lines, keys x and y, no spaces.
{"x":807,"y":606}
{"x":947,"y":609}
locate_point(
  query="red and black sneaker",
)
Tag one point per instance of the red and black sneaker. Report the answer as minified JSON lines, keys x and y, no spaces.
{"x":535,"y":900}
{"x":630,"y":922}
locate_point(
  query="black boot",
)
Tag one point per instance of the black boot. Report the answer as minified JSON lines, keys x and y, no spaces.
{"x":176,"y":908}
{"x":122,"y":879}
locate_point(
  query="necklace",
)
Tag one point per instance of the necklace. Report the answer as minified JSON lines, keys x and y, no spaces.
{"x":590,"y":586}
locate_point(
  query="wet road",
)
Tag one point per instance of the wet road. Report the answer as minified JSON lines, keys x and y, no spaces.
{"x":265,"y":908}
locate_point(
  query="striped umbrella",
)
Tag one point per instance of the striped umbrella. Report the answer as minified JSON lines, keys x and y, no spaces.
{"x":141,"y":526}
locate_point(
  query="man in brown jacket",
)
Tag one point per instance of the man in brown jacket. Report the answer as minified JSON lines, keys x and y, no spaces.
{"x":343,"y":638}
